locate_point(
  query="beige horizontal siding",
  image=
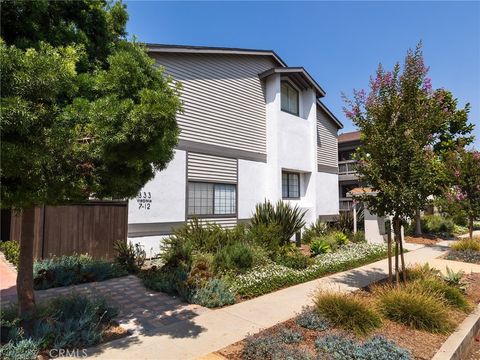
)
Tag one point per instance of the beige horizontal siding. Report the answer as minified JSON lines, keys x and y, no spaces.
{"x":223,"y":97}
{"x":202,"y":167}
{"x":327,"y":145}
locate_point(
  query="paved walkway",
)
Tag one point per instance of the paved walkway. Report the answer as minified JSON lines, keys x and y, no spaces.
{"x":215,"y":329}
{"x":141,"y":311}
{"x":8,"y":278}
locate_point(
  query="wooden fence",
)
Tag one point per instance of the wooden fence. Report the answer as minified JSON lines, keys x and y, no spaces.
{"x":90,"y":227}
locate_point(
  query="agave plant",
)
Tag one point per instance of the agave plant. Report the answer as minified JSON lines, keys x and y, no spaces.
{"x":290,"y":219}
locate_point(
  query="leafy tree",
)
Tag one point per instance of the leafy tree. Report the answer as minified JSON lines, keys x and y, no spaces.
{"x":401,"y":120}
{"x":85,"y":114}
{"x":464,"y":191}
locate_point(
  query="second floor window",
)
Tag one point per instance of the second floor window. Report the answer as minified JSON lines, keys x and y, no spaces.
{"x":289,"y":98}
{"x":211,"y":199}
{"x":290,"y":185}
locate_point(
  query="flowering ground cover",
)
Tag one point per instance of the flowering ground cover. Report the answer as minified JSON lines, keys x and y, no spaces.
{"x":264,"y":279}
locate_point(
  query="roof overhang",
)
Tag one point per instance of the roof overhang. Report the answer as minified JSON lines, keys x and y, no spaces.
{"x":329,"y":113}
{"x":164,"y":48}
{"x":362,"y":191}
{"x":298,"y":75}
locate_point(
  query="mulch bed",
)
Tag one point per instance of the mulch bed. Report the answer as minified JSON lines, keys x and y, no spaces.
{"x":424,"y":239}
{"x":423,"y":345}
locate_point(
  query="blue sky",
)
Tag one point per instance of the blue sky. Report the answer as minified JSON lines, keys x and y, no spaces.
{"x":339,"y":43}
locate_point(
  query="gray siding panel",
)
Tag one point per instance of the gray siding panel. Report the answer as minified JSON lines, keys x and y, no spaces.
{"x":327,"y":145}
{"x":223,"y":98}
{"x":223,"y":222}
{"x":202,"y":167}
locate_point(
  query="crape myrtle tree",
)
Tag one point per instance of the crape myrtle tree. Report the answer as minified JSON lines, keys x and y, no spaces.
{"x":463,"y":167}
{"x":85,"y":114}
{"x":402,"y":121}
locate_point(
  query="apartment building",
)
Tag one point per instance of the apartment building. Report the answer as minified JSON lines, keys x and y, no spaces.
{"x":347,"y":176}
{"x":252,"y":129}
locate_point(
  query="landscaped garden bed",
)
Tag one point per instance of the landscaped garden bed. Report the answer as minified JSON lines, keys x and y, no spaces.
{"x":466,"y":250}
{"x":79,"y":268}
{"x":211,"y":266}
{"x":72,"y":322}
{"x":380,"y":322}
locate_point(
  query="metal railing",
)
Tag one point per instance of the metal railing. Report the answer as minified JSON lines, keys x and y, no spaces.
{"x":346,"y":204}
{"x":347,"y":167}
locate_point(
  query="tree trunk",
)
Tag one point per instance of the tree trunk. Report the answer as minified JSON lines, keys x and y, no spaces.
{"x":26,"y":297}
{"x":397,"y":229}
{"x":418,"y":223}
{"x":389,"y":249}
{"x":470,"y":226}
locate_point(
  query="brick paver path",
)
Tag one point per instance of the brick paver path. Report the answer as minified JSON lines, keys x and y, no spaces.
{"x":141,"y":311}
{"x":8,"y":278}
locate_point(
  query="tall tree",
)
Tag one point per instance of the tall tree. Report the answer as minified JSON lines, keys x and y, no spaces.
{"x":464,"y":191}
{"x":85,"y":114}
{"x":401,"y":120}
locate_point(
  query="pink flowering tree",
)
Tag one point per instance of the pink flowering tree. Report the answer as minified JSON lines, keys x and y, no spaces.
{"x":405,"y":124}
{"x":464,"y":191}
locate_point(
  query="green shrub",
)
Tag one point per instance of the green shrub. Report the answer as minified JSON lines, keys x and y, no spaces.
{"x":358,"y":237}
{"x":469,"y":256}
{"x":176,"y":251}
{"x":436,"y":224}
{"x":290,"y":336}
{"x":268,"y":347}
{"x":347,"y":311}
{"x":233,"y":257}
{"x":11,"y":250}
{"x":168,"y":280}
{"x":377,"y":348}
{"x":292,"y":257}
{"x":310,"y":319}
{"x":25,"y":349}
{"x":129,"y":257}
{"x":340,"y":238}
{"x":421,"y":272}
{"x":318,"y":228}
{"x":467,"y":244}
{"x":70,"y":270}
{"x":65,"y":322}
{"x":452,"y":295}
{"x":319,"y":246}
{"x":214,"y":294}
{"x":343,"y":222}
{"x":414,"y":307}
{"x":268,"y":236}
{"x":200,"y":236}
{"x":453,"y":278}
{"x":290,"y":219}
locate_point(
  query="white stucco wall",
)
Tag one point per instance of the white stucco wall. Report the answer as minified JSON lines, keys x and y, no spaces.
{"x":374,"y":228}
{"x":327,"y":194}
{"x":167,"y":195}
{"x":251,"y":188}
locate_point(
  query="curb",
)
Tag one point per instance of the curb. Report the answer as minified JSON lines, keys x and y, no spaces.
{"x":459,"y":342}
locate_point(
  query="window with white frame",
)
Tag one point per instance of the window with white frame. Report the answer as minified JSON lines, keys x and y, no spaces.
{"x":289,"y":98}
{"x":211,"y":199}
{"x":290,"y":185}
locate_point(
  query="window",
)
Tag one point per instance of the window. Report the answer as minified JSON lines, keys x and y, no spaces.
{"x":290,"y":185}
{"x":211,"y":199}
{"x":289,"y":98}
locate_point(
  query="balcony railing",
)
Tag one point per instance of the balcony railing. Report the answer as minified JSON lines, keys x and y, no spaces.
{"x":346,"y":204}
{"x":346,"y":167}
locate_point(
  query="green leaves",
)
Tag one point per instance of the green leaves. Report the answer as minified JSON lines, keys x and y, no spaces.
{"x":406,"y":126}
{"x":74,"y":128}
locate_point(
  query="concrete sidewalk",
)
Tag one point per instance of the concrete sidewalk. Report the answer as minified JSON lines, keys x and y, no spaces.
{"x":213,"y":330}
